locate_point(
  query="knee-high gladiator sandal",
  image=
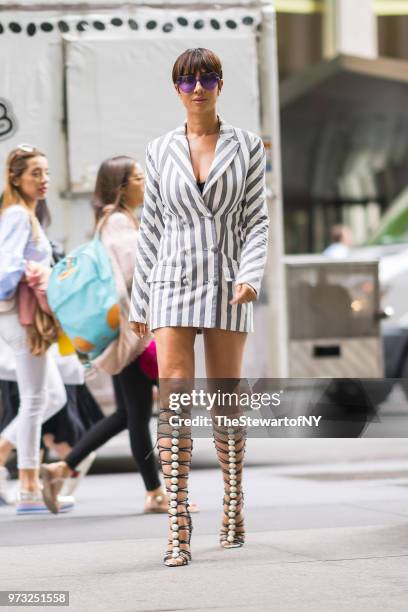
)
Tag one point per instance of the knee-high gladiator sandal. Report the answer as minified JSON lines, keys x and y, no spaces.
{"x":175,"y":447}
{"x":230,"y":446}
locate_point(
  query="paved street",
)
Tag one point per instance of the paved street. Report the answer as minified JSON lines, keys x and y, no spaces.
{"x":327,"y":524}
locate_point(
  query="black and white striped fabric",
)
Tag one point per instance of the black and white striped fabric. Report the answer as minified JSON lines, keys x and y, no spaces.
{"x":193,"y":247}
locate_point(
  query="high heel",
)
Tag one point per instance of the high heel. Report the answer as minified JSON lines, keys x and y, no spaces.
{"x":233,"y":534}
{"x":175,"y":448}
{"x":175,"y":552}
{"x":230,"y":448}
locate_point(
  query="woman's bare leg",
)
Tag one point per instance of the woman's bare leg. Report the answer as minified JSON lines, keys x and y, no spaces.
{"x":175,"y":352}
{"x":224,"y":352}
{"x":175,"y":355}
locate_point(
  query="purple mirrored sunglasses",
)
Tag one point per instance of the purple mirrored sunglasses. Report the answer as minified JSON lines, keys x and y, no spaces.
{"x":188,"y":82}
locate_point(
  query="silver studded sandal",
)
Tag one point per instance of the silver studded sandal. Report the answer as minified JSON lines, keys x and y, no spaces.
{"x":175,"y":448}
{"x":230,"y":446}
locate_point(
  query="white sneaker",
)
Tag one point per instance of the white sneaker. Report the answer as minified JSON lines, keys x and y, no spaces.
{"x":71,"y":484}
{"x":6,"y":497}
{"x":66,"y":501}
{"x":31,"y":502}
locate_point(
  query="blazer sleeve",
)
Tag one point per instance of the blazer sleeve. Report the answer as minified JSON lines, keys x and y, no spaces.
{"x":255,"y":221}
{"x":15,"y":231}
{"x":148,"y":242}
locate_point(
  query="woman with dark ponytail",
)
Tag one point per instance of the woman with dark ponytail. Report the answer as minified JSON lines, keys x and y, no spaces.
{"x":118,"y":192}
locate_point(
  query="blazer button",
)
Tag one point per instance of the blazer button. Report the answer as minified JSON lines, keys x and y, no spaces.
{"x":185,"y":281}
{"x":209,"y":216}
{"x":214,"y":249}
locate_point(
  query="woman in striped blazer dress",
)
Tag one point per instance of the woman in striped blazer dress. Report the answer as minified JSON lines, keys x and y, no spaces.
{"x":201,"y":253}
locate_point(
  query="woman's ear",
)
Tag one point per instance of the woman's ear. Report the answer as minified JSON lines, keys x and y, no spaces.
{"x":220,"y":85}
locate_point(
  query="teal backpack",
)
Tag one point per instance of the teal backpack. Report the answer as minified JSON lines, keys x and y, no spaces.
{"x":83,"y":296}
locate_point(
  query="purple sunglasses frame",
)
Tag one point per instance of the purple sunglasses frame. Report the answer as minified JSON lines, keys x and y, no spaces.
{"x":190,"y":87}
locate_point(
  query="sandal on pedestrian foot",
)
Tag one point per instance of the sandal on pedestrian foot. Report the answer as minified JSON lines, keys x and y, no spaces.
{"x":52,"y":485}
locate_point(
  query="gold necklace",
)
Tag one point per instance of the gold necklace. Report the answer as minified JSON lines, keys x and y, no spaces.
{"x":209,"y":134}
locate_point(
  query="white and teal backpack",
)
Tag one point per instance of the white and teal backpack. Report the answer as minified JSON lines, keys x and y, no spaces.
{"x":83,"y":296}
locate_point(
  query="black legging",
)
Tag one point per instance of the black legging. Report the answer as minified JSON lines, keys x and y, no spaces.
{"x":133,"y":394}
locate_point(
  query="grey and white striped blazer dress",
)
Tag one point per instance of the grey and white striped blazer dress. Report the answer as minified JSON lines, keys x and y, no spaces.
{"x":192,"y":247}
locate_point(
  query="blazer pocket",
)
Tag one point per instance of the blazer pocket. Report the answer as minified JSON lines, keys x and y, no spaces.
{"x":230,"y":269}
{"x":165,"y":272}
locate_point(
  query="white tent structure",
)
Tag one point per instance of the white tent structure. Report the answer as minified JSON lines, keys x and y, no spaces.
{"x":86,"y":81}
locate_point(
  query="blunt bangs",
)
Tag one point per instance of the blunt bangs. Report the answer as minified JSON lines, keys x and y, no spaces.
{"x":196,"y":60}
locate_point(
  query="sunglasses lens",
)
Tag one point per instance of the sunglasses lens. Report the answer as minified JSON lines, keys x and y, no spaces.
{"x":209,"y":80}
{"x":187,"y":83}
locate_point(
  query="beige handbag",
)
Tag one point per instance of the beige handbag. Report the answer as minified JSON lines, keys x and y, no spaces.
{"x":127,"y":347}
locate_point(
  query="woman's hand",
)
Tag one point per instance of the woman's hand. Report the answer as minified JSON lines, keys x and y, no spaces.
{"x":140,"y":329}
{"x":243,"y":293}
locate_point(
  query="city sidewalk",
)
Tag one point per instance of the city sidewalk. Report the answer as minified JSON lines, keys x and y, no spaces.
{"x":322,"y":535}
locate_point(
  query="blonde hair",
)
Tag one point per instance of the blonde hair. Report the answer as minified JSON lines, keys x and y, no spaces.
{"x":16,"y":164}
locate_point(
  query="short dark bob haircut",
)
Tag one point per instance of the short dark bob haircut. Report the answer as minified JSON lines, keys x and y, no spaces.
{"x":196,"y":60}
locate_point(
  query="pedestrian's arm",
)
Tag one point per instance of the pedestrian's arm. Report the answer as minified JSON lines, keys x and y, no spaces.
{"x":15,"y":230}
{"x":120,"y":234}
{"x":255,"y":221}
{"x":148,"y":242}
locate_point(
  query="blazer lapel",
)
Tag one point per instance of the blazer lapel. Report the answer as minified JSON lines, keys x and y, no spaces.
{"x":180,"y":153}
{"x":225,"y":150}
{"x":227,"y":147}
